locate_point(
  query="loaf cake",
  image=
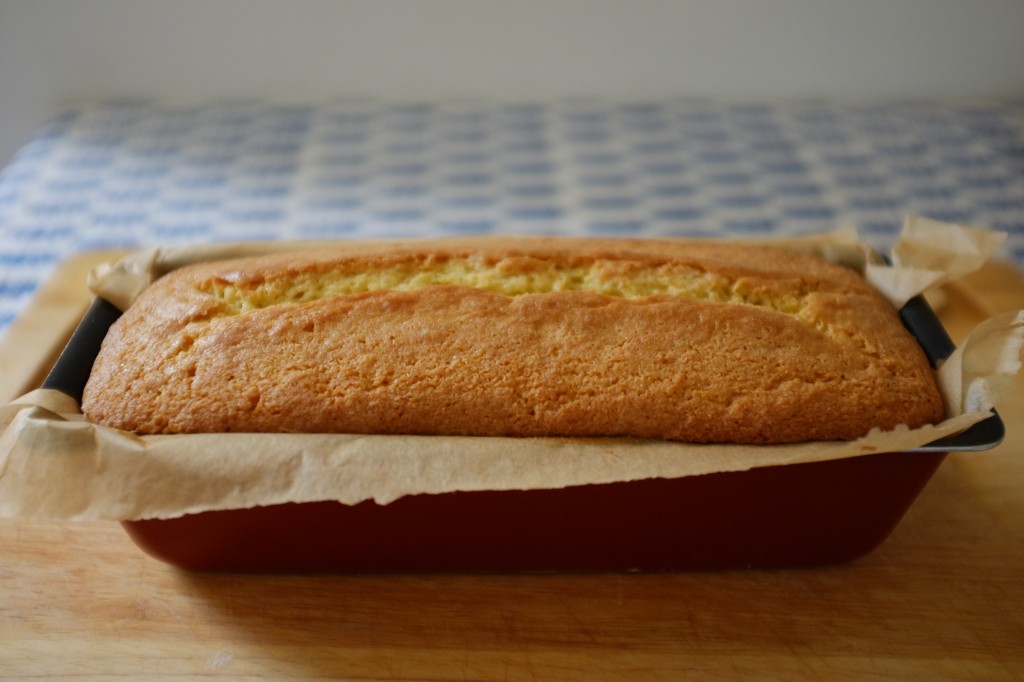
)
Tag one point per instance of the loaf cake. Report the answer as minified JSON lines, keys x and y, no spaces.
{"x":695,"y":341}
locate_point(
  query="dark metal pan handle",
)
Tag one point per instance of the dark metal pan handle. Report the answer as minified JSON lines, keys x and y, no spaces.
{"x":71,"y":371}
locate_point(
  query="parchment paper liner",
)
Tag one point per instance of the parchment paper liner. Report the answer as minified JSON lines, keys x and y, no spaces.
{"x":55,"y":464}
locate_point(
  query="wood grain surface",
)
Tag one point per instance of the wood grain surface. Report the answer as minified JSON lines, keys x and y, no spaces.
{"x":942,"y":599}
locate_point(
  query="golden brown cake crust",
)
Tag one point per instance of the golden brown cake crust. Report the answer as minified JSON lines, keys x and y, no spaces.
{"x":749,"y":345}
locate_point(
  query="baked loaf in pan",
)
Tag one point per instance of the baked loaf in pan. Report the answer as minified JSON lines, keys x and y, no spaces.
{"x":664,"y":339}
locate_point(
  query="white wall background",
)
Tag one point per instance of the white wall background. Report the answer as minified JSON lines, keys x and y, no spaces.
{"x":56,"y":51}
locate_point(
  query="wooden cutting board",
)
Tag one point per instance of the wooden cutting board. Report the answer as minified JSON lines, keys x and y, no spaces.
{"x":943,"y":598}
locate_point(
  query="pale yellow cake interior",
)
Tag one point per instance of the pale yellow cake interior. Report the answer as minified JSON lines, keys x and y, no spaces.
{"x":513,"y":277}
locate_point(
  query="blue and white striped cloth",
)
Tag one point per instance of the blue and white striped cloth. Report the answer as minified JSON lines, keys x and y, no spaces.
{"x":133,"y":174}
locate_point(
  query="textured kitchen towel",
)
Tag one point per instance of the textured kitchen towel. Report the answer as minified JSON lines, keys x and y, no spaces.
{"x":140,"y":173}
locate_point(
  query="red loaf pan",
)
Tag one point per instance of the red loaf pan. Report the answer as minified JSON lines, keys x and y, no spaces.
{"x":797,"y":515}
